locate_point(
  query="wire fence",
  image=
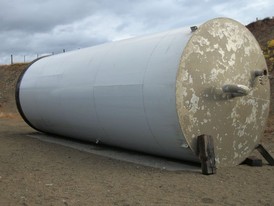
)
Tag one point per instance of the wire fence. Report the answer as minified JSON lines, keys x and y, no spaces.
{"x":22,"y":58}
{"x":19,"y":58}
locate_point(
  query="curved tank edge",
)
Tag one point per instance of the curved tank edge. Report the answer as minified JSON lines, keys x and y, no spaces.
{"x":17,"y":94}
{"x":190,"y":39}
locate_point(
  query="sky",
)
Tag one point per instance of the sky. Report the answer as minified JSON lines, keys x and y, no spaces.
{"x":31,"y":28}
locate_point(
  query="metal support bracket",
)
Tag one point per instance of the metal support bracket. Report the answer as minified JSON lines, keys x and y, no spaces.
{"x":205,"y":151}
{"x":265,"y":154}
{"x":253,"y":161}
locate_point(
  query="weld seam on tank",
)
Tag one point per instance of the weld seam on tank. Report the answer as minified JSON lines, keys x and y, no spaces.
{"x":143,"y":98}
{"x":96,"y":113}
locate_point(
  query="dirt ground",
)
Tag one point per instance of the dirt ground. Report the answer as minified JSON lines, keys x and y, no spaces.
{"x":33,"y":172}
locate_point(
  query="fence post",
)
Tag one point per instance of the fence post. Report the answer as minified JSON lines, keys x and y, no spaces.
{"x":11,"y":59}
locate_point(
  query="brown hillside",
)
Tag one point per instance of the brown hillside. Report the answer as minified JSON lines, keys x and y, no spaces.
{"x":8,"y":78}
{"x":263,"y":30}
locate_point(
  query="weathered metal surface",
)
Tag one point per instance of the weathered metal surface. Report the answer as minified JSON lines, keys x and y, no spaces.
{"x":223,"y":52}
{"x":156,"y":93}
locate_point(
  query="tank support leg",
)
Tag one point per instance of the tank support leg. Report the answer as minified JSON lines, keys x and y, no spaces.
{"x":253,"y":161}
{"x":205,"y":150}
{"x":265,"y":154}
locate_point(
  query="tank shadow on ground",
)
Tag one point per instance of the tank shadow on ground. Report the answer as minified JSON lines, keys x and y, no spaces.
{"x":119,"y":153}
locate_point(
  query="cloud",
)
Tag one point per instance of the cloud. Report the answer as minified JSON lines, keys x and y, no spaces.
{"x":28,"y":27}
{"x":245,"y":11}
{"x":42,"y":15}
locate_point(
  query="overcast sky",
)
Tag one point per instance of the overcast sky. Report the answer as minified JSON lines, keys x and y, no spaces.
{"x":30,"y":27}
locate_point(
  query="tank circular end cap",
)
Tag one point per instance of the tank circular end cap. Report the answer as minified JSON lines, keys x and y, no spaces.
{"x":222,"y":57}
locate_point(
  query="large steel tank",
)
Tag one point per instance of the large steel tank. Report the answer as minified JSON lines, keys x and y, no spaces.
{"x":156,"y":93}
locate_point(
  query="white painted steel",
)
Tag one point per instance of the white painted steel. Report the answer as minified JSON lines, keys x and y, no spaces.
{"x":120,"y":93}
{"x":155,"y":93}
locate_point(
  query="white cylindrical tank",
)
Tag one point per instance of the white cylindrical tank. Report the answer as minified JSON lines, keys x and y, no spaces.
{"x":156,"y":93}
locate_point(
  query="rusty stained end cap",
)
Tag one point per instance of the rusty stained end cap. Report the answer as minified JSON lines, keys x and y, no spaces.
{"x":223,"y":52}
